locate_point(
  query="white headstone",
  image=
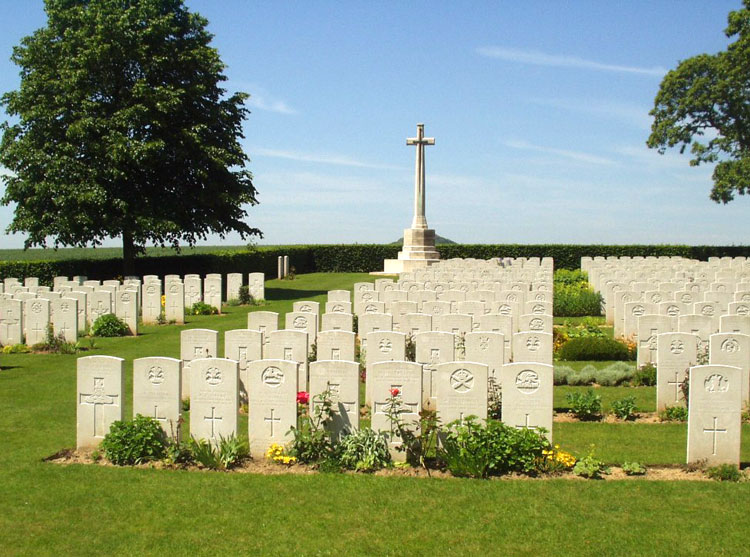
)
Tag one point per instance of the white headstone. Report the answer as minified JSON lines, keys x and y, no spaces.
{"x":243,"y":345}
{"x":256,"y":286}
{"x":157,"y":386}
{"x":272,"y":403}
{"x":290,"y":345}
{"x":336,"y":345}
{"x":214,"y":398}
{"x":36,"y":313}
{"x":65,"y":319}
{"x":264,"y":321}
{"x":433,"y":348}
{"x":527,"y":395}
{"x":234,"y":282}
{"x":461,"y":391}
{"x":341,"y":379}
{"x":732,"y":349}
{"x":675,"y":354}
{"x":196,"y":344}
{"x":174,"y":302}
{"x":11,"y":322}
{"x":151,"y":308}
{"x":212,"y":291}
{"x":100,"y":387}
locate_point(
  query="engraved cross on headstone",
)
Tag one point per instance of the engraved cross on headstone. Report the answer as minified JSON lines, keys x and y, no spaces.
{"x":213,"y":418}
{"x":713,"y":432}
{"x":419,"y":187}
{"x":96,"y":399}
{"x":271,"y":420}
{"x":676,"y":384}
{"x":156,"y":414}
{"x":526,"y":424}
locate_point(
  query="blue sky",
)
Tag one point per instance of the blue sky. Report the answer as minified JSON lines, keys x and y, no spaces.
{"x":539,"y":111}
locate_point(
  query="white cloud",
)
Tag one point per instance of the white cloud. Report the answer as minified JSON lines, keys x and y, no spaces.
{"x":636,"y":116}
{"x":573,"y":155}
{"x":322,"y":158}
{"x":261,"y":99}
{"x":537,"y":58}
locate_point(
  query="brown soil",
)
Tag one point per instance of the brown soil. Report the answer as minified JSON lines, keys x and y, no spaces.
{"x":641,"y":418}
{"x":264,"y":467}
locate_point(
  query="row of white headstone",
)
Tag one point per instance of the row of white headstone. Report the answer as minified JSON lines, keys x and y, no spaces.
{"x":272,"y":396}
{"x":27,"y":310}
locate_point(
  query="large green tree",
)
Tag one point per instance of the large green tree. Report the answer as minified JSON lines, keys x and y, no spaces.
{"x":123,"y":130}
{"x":704,"y":103}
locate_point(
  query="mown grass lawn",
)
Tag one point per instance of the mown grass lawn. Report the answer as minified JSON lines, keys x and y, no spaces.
{"x":77,"y":510}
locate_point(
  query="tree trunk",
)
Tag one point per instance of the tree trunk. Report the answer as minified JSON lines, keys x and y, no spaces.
{"x":128,"y":254}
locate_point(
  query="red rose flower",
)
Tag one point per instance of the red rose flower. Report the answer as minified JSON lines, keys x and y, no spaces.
{"x":395,"y":392}
{"x":303,"y":397}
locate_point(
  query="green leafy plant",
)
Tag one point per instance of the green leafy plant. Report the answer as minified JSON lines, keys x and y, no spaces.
{"x":312,"y":441}
{"x":624,"y":408}
{"x":586,"y":405}
{"x":416,"y":438}
{"x":134,"y":441}
{"x":201,"y":308}
{"x":228,"y":453}
{"x":593,"y":348}
{"x":312,"y":354}
{"x":478,"y":451}
{"x":56,"y":344}
{"x":633,"y":468}
{"x":185,"y":404}
{"x":244,"y":295}
{"x":16,"y":349}
{"x":724,"y":473}
{"x":674,"y":414}
{"x":618,"y":373}
{"x":576,"y":300}
{"x":411,"y":348}
{"x":109,"y":325}
{"x":645,"y":376}
{"x":363,"y":450}
{"x":494,"y":399}
{"x":590,"y":467}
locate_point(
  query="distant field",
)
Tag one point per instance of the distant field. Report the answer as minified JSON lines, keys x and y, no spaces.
{"x":38,"y":254}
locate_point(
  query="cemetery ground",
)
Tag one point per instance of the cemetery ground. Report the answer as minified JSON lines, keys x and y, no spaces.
{"x":80,"y":509}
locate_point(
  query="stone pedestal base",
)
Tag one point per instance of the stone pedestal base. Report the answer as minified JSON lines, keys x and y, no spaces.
{"x":418,"y":252}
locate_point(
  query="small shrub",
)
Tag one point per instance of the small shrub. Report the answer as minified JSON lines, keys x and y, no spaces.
{"x":363,"y":450}
{"x":593,"y":348}
{"x":244,"y":295}
{"x":645,"y":376}
{"x":724,"y":473}
{"x":311,"y":441}
{"x":185,"y":404}
{"x":478,"y":451}
{"x":201,"y":308}
{"x":590,"y":467}
{"x":134,"y":441}
{"x":417,"y":438}
{"x":586,"y":405}
{"x":411,"y":348}
{"x":229,"y":452}
{"x":624,"y":408}
{"x":619,"y":373}
{"x":633,"y":468}
{"x":674,"y":414}
{"x":16,"y":349}
{"x":576,"y":300}
{"x":233,"y":302}
{"x":109,"y":325}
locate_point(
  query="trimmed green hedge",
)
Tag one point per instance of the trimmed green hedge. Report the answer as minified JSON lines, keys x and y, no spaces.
{"x":340,"y":258}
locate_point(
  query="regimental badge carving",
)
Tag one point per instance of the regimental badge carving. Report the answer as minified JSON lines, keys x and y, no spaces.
{"x":213,"y":376}
{"x":64,"y":307}
{"x":532,"y":344}
{"x":540,"y":297}
{"x":627,"y":298}
{"x":371,"y":308}
{"x":716,"y":383}
{"x":36,"y":307}
{"x":272,"y":376}
{"x":743,"y":310}
{"x":305,"y":308}
{"x":538,"y":309}
{"x":536,"y":324}
{"x":462,"y":380}
{"x":686,"y":298}
{"x":385,"y":345}
{"x":730,"y":346}
{"x":512,"y":298}
{"x":151,"y":289}
{"x":638,"y":310}
{"x":707,"y":310}
{"x":155,"y":375}
{"x":125,"y":297}
{"x":677,"y":346}
{"x":673,"y":311}
{"x":746,"y":297}
{"x":338,"y":308}
{"x":366,"y":297}
{"x":300,"y":322}
{"x":504,"y":309}
{"x":527,"y":381}
{"x":173,"y":288}
{"x":484,"y":343}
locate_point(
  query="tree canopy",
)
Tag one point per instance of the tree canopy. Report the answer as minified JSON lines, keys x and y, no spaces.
{"x":704,"y":103}
{"x":123,"y":130}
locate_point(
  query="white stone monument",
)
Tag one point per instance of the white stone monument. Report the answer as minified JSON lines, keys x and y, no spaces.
{"x":419,"y":241}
